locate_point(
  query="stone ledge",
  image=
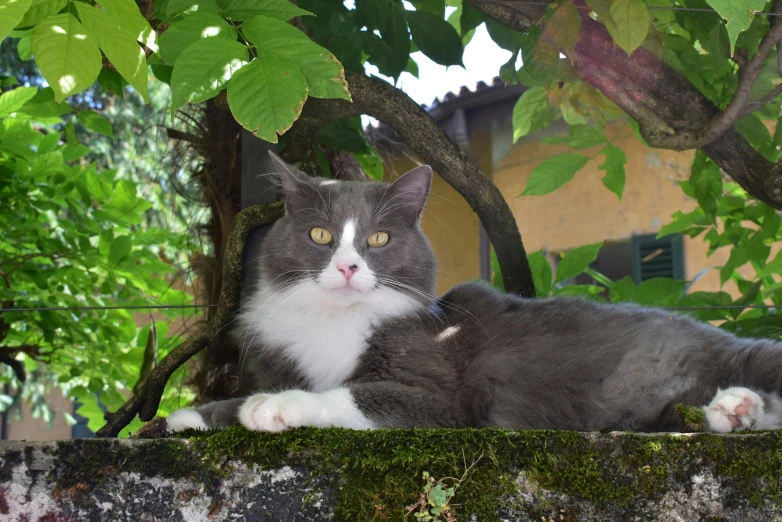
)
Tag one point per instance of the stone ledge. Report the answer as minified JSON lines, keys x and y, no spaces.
{"x":315,"y":475}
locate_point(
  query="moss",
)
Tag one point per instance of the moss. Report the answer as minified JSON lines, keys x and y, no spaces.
{"x":694,"y":418}
{"x":10,"y":460}
{"x":377,"y":474}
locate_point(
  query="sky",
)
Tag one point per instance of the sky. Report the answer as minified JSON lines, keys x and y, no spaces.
{"x":482,"y":61}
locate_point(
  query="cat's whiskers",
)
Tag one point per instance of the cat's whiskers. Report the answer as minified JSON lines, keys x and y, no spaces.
{"x":416,"y":302}
{"x":400,"y":193}
{"x":433,"y":299}
{"x":270,"y":285}
{"x":259,"y":258}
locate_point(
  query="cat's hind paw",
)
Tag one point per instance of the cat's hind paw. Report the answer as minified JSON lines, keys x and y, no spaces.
{"x":734,"y":409}
{"x":279,"y":411}
{"x":184,"y":419}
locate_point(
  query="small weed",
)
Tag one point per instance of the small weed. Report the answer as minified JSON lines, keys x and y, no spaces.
{"x":434,"y":503}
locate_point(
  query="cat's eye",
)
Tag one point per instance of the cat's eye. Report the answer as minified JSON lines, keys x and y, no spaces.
{"x":377,"y":239}
{"x":321,"y":236}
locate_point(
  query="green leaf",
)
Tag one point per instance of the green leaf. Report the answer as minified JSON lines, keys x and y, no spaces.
{"x":564,"y":27}
{"x":576,"y":261}
{"x":15,"y":99}
{"x":658,"y":291}
{"x":622,"y":290}
{"x":377,"y":12}
{"x":203,"y":69}
{"x":397,"y":37}
{"x":337,"y":135}
{"x":631,"y":23}
{"x":324,"y":74}
{"x":772,"y":267}
{"x":738,"y":14}
{"x":280,"y":9}
{"x":579,"y":137}
{"x":25,"y":47}
{"x":541,"y":273}
{"x":128,"y":13}
{"x":66,"y":54}
{"x":189,"y":30}
{"x":435,"y":37}
{"x":40,"y":9}
{"x":372,"y":163}
{"x":118,"y":44}
{"x":120,"y":248}
{"x":11,"y":13}
{"x":470,"y":18}
{"x":191,"y":7}
{"x":96,"y":123}
{"x":706,"y":184}
{"x":503,"y":36}
{"x":553,"y":173}
{"x":703,"y":299}
{"x":681,"y":222}
{"x":532,"y":112}
{"x":614,"y":167}
{"x":267,"y":95}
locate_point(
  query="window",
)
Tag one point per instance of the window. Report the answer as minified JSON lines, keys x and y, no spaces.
{"x":641,"y":257}
{"x":662,"y":257}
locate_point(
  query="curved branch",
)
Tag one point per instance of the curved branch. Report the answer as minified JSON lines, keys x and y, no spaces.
{"x":146,"y":402}
{"x":663,"y":102}
{"x":383,"y":101}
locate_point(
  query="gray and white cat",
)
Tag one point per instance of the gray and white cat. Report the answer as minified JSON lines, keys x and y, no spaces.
{"x":344,"y":331}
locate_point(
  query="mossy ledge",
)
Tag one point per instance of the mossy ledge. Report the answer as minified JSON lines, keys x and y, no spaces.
{"x":312,"y":474}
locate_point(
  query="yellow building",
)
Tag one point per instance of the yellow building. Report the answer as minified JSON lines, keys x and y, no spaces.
{"x":581,"y":212}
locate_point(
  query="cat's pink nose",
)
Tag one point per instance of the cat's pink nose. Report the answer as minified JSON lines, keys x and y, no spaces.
{"x":347,"y":269}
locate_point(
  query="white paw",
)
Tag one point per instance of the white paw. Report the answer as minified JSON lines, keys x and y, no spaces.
{"x":280,"y":411}
{"x":734,"y":409}
{"x":183,"y":419}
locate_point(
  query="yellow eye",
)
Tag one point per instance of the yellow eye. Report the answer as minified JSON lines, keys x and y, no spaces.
{"x":321,"y":236}
{"x":377,"y":239}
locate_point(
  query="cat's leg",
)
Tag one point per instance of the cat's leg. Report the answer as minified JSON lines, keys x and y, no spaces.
{"x":297,"y":408}
{"x":217,"y":414}
{"x":735,"y":409}
{"x":371,"y":405}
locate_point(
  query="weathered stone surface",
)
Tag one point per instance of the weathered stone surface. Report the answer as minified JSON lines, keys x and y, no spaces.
{"x":316,"y":475}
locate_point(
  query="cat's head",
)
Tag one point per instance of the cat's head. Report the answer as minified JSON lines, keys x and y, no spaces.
{"x":350,"y":242}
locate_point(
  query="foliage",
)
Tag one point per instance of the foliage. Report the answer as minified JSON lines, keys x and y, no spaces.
{"x":77,"y":233}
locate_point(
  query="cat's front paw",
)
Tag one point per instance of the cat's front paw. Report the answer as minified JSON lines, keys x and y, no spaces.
{"x":734,"y":409}
{"x":279,"y":411}
{"x":185,"y":418}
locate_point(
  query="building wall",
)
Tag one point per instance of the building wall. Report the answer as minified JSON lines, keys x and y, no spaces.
{"x":581,"y":212}
{"x":452,"y":227}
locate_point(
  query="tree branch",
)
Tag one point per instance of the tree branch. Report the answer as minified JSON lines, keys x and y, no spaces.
{"x":146,"y":402}
{"x":725,"y":120}
{"x":393,"y":107}
{"x":662,"y":101}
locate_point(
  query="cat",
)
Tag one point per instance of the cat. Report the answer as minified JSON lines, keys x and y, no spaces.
{"x":344,"y":331}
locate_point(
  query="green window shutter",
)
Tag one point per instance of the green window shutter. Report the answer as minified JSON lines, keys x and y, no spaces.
{"x":653,"y":257}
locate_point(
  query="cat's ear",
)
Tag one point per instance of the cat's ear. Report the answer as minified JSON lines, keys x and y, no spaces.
{"x":408,"y":194}
{"x":299,"y":190}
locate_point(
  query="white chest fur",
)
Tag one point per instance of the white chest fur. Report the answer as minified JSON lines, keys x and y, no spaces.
{"x":323,"y":340}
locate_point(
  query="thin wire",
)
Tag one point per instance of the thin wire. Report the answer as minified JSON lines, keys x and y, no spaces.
{"x":694,"y":9}
{"x":148,"y":307}
{"x":76,"y":308}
